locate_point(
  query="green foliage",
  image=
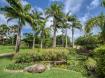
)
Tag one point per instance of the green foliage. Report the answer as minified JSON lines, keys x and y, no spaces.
{"x":61,"y":40}
{"x":42,"y":55}
{"x":76,"y":62}
{"x":88,"y":42}
{"x":100,"y":57}
{"x":90,"y":64}
{"x":17,"y":66}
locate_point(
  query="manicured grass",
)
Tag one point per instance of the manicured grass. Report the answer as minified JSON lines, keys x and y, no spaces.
{"x":6,"y":49}
{"x":11,"y":49}
{"x":48,"y":74}
{"x":53,"y":73}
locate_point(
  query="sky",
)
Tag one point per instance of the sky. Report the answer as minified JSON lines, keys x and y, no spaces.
{"x":83,"y":9}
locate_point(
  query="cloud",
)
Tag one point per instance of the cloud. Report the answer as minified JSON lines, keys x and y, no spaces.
{"x":49,"y":22}
{"x":56,"y":0}
{"x":72,"y":5}
{"x":3,"y":19}
{"x":94,"y":4}
{"x":85,"y":18}
{"x":24,"y":2}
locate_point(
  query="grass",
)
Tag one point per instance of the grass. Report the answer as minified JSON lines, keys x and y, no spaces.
{"x":54,"y":73}
{"x":6,"y":49}
{"x":11,"y":49}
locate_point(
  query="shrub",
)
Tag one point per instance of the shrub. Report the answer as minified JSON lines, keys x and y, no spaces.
{"x":77,"y":66}
{"x":42,"y":55}
{"x":17,"y":66}
{"x":89,"y":42}
{"x":75,"y":62}
{"x":100,"y":58}
{"x":90,"y":64}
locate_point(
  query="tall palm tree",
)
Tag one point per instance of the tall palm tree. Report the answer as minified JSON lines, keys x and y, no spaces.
{"x":76,"y":24}
{"x":66,"y":25}
{"x":16,"y":10}
{"x":55,"y":11}
{"x":36,"y":28}
{"x":42,"y":31}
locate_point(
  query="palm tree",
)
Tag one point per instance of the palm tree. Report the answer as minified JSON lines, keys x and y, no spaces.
{"x":96,"y":21}
{"x":4,"y":29}
{"x":36,"y":28}
{"x":55,"y":11}
{"x":13,"y":31}
{"x":42,"y":30}
{"x":66,"y":25}
{"x":76,"y":24}
{"x":15,"y":10}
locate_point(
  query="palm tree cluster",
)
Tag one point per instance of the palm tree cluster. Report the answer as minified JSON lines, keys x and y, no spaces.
{"x":25,"y":14}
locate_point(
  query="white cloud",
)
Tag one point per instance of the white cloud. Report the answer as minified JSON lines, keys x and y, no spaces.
{"x":85,"y":18}
{"x":49,"y":22}
{"x":72,"y":5}
{"x":94,"y":4}
{"x":24,"y":2}
{"x":3,"y":19}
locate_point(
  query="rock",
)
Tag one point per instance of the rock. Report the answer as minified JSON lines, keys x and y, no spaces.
{"x":38,"y":68}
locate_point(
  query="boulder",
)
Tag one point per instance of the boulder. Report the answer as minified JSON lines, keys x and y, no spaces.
{"x":38,"y":68}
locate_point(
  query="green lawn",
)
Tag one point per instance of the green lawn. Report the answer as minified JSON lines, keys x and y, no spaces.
{"x":47,"y":74}
{"x":11,"y":49}
{"x":54,"y":73}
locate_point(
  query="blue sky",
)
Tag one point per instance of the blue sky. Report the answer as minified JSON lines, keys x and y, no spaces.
{"x":83,"y":9}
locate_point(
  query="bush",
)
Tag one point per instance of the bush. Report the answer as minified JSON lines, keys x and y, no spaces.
{"x":75,"y":62}
{"x":90,"y":64}
{"x":17,"y":66}
{"x":100,"y":58}
{"x":42,"y":55}
{"x":89,"y":42}
{"x":77,"y":66}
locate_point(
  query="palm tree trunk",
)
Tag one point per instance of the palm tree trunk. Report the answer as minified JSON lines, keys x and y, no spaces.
{"x":62,"y":38}
{"x":54,"y":38}
{"x":3,"y":40}
{"x":66,"y":45}
{"x":33,"y":46}
{"x":41,"y":44}
{"x":13,"y":40}
{"x":72,"y":37}
{"x":18,"y":40}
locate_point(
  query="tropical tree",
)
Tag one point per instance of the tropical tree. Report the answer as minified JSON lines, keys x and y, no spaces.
{"x":42,"y":32}
{"x":66,"y":25}
{"x":13,"y":30}
{"x":55,"y":11}
{"x":4,"y":29}
{"x":76,"y":24}
{"x":97,"y":21}
{"x":36,"y":28}
{"x":16,"y":10}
